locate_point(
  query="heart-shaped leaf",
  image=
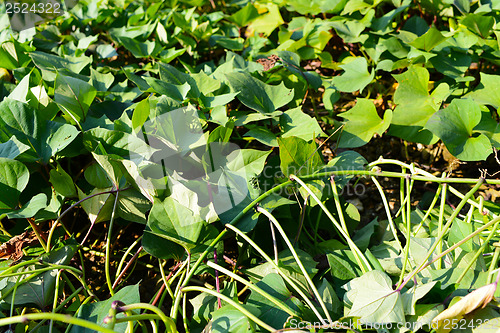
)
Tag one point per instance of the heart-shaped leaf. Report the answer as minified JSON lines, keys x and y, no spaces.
{"x":257,"y":95}
{"x":363,"y":122}
{"x":415,"y":105}
{"x":356,"y":76}
{"x":455,"y":126}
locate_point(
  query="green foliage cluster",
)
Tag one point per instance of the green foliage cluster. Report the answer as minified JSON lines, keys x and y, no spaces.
{"x":90,"y":101}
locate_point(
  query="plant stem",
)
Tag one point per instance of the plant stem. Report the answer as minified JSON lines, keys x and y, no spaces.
{"x":278,"y":269}
{"x":297,"y":259}
{"x":441,"y":218}
{"x":336,"y":199}
{"x":388,"y":212}
{"x":233,"y":303}
{"x":54,"y":225}
{"x":108,"y":246}
{"x":127,"y":266}
{"x":56,"y":317}
{"x":168,"y":322}
{"x":219,"y":237}
{"x":365,"y":265}
{"x":493,"y":263}
{"x":124,"y":257}
{"x":426,"y":263}
{"x":282,"y":305}
{"x":478,"y":253}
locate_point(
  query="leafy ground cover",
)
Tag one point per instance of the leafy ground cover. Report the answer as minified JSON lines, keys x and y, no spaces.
{"x":251,"y":166}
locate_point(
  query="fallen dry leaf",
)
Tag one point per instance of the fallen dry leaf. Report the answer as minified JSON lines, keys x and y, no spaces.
{"x":477,"y":299}
{"x":13,"y":248}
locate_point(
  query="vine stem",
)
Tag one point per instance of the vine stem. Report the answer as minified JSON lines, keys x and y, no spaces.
{"x":277,"y":268}
{"x":146,"y":306}
{"x":478,"y":253}
{"x":55,"y":317}
{"x":108,"y":247}
{"x":363,"y":263}
{"x":211,"y":246}
{"x":377,"y":173}
{"x":297,"y":259}
{"x":233,"y":303}
{"x":282,"y":305}
{"x":55,"y":224}
{"x":426,"y":263}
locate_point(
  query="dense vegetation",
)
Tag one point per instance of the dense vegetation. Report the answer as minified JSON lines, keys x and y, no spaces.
{"x":214,"y":166}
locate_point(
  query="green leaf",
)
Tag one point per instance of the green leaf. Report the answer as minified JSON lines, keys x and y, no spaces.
{"x":267,"y":22}
{"x":356,"y":76}
{"x":488,"y":91}
{"x":52,"y":65}
{"x":177,"y":92}
{"x":329,"y":297}
{"x":257,"y":95}
{"x":13,"y":55}
{"x":106,"y":51}
{"x":363,"y":122}
{"x":229,"y":319}
{"x":100,"y":81}
{"x":460,"y":230}
{"x":140,"y":115}
{"x":412,"y":295}
{"x":160,"y":247}
{"x":173,"y":221}
{"x":145,"y":49}
{"x":132,"y":206}
{"x":12,"y":148}
{"x":99,"y":207}
{"x":21,"y":91}
{"x":96,"y":176}
{"x":429,"y":40}
{"x":373,"y":299}
{"x":263,"y":135}
{"x":346,"y":160}
{"x":235,"y":186}
{"x":275,"y":286}
{"x":453,"y":65}
{"x":211,"y":102}
{"x":62,"y":182}
{"x":479,"y":23}
{"x":30,"y":208}
{"x":73,"y":96}
{"x":45,"y":138}
{"x":415,"y":105}
{"x":96,"y":312}
{"x":296,"y":123}
{"x":57,"y":136}
{"x":245,"y":15}
{"x":454,"y":125}
{"x":343,"y":265}
{"x":116,"y":142}
{"x":14,"y":177}
{"x":298,"y":157}
{"x":40,"y":289}
{"x":234,"y":44}
{"x":350,"y":31}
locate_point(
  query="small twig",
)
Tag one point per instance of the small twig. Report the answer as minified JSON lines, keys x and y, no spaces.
{"x":301,"y":223}
{"x":54,"y":225}
{"x":275,"y":245}
{"x":117,"y":281}
{"x":217,"y":285}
